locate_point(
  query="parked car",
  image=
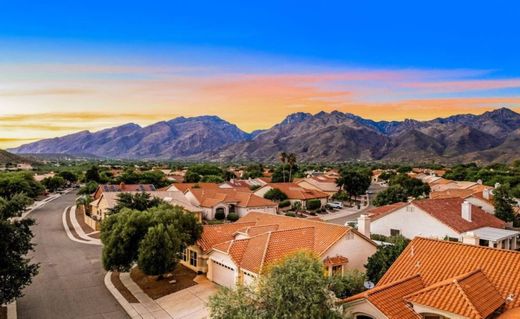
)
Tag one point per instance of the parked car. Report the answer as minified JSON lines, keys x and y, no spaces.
{"x":335,"y":205}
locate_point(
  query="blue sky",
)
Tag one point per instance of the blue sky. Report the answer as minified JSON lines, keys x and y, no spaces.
{"x":251,"y":63}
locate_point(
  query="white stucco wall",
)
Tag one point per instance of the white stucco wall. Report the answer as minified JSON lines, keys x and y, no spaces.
{"x":355,"y":248}
{"x":412,"y":224}
{"x":487,"y":207}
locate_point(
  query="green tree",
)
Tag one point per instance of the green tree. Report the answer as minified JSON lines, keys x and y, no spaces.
{"x":16,"y":270}
{"x":504,"y":203}
{"x":192,"y":177}
{"x":283,"y":159}
{"x":54,"y":183}
{"x":122,"y":233}
{"x":92,"y":174}
{"x":17,"y":183}
{"x":295,"y":287}
{"x":384,"y":257}
{"x":158,"y":250}
{"x":354,"y":181}
{"x":253,"y":171}
{"x":275,"y":194}
{"x":88,"y":189}
{"x":348,"y":284}
{"x":412,"y":186}
{"x":291,"y":160}
{"x":313,"y":204}
{"x":392,"y":194}
{"x":138,"y":201}
{"x":68,"y":176}
{"x":212,"y":179}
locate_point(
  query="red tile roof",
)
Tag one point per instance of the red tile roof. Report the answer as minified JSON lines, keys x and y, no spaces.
{"x":183,"y":187}
{"x":294,"y":191}
{"x":470,"y":295}
{"x":217,"y":234}
{"x":468,"y":280}
{"x":211,"y":197}
{"x":389,"y":299}
{"x":437,"y":260}
{"x":447,"y":211}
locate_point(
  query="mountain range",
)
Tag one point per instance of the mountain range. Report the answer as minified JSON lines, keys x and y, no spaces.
{"x":322,"y":137}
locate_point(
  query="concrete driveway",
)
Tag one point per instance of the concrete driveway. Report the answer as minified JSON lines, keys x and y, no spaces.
{"x":189,"y":303}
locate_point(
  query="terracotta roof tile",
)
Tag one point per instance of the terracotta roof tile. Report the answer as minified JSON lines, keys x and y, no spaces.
{"x":212,"y":197}
{"x":471,"y":295}
{"x":448,"y":211}
{"x":389,"y":299}
{"x":437,"y":260}
{"x":326,"y":234}
{"x":217,"y":234}
{"x":294,"y":191}
{"x":183,"y":187}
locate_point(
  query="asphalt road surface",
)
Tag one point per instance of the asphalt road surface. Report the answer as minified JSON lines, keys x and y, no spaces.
{"x":70,"y":282}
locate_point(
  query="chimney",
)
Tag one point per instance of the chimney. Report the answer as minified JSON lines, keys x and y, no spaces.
{"x":364,"y":225}
{"x":486,"y":193}
{"x":497,"y":185}
{"x":466,"y":210}
{"x":479,"y":182}
{"x":470,"y":238}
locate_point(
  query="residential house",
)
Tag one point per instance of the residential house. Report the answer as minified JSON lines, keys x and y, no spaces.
{"x":108,"y":200}
{"x":183,"y":187}
{"x":295,"y":193}
{"x":122,"y":187}
{"x":320,"y":183}
{"x":436,"y":279}
{"x":453,"y":218}
{"x":482,"y":199}
{"x":237,"y":253}
{"x":225,"y":200}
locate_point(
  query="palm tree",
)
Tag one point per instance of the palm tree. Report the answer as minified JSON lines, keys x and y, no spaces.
{"x":291,"y":159}
{"x":283,"y":159}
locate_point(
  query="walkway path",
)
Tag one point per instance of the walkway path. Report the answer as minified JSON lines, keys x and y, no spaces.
{"x":189,"y":303}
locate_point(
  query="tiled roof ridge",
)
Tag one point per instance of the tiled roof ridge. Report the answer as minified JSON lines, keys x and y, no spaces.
{"x":378,"y":289}
{"x":474,"y":309}
{"x":235,"y":223}
{"x":265,"y":251}
{"x":445,"y":282}
{"x":469,"y":246}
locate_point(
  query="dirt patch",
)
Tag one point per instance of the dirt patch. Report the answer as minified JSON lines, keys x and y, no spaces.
{"x":114,"y":277}
{"x":81,"y":220}
{"x":159,"y":288}
{"x":3,"y":312}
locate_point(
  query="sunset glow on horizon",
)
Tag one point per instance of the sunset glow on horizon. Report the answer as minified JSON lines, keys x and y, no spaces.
{"x":57,"y":79}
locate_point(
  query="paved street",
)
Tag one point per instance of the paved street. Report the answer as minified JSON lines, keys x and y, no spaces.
{"x":374,"y":189}
{"x":70,"y":283}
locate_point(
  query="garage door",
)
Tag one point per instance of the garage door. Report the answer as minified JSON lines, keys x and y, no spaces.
{"x":223,"y":275}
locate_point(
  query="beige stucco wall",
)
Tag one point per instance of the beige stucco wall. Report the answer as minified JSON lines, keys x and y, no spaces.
{"x":355,"y":248}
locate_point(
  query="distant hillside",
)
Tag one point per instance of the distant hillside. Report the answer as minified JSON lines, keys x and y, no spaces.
{"x":10,"y":158}
{"x":322,"y":137}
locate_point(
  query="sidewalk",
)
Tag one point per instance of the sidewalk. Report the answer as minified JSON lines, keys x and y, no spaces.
{"x":189,"y":303}
{"x":74,"y":231}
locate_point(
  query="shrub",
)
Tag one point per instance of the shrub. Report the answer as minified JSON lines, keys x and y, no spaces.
{"x":313,"y":204}
{"x":290,"y":214}
{"x":275,"y":194}
{"x":232,"y":217}
{"x":284,"y":203}
{"x":220,"y":215}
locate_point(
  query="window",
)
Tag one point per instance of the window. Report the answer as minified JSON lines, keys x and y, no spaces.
{"x":193,"y":258}
{"x":395,"y":232}
{"x":337,"y":270}
{"x":184,"y":254}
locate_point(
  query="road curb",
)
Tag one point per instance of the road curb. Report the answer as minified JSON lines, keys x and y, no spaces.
{"x":120,"y":299}
{"x":69,"y":232}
